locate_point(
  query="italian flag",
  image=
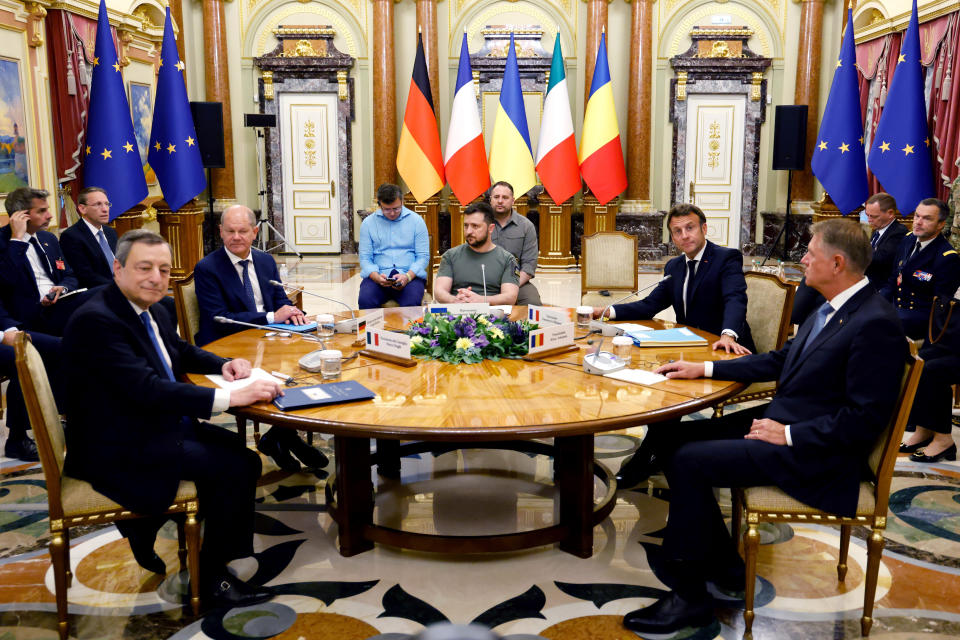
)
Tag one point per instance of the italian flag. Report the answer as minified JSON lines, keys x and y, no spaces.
{"x":557,"y":163}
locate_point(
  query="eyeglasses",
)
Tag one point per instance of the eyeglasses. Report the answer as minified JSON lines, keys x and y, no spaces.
{"x":391,"y":210}
{"x":98,"y":204}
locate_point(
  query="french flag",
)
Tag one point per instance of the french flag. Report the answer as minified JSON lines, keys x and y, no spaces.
{"x":465,"y":159}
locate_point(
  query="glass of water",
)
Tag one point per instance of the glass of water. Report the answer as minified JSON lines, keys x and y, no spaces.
{"x":330,"y":360}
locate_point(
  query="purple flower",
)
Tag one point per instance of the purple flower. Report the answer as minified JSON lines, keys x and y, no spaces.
{"x":424,"y":331}
{"x":480,"y":340}
{"x":434,"y":343}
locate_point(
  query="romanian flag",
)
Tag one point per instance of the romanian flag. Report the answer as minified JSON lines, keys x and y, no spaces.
{"x":536,"y":340}
{"x":419,"y":159}
{"x":466,"y":157}
{"x":601,"y":157}
{"x":511,"y":157}
{"x":557,"y":163}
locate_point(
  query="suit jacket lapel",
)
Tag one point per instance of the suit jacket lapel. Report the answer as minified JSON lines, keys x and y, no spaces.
{"x":233,"y":280}
{"x":266,"y":289}
{"x":121,"y":307}
{"x":706,"y":263}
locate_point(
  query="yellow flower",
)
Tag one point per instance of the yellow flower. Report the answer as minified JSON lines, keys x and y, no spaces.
{"x":417,"y":340}
{"x":464,"y":344}
{"x":482,"y":320}
{"x":496,"y":333}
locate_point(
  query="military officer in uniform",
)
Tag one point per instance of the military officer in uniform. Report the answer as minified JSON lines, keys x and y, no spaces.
{"x":925,"y":266}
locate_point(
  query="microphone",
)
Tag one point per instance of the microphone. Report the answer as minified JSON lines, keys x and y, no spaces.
{"x":483,"y":274}
{"x":344,"y":326}
{"x":609,"y":329}
{"x":225,"y":320}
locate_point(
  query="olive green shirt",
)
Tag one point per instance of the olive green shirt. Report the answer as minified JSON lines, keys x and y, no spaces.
{"x":462,"y":265}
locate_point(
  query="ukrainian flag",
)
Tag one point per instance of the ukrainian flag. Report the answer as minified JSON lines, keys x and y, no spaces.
{"x":511,"y":156}
{"x":601,"y":157}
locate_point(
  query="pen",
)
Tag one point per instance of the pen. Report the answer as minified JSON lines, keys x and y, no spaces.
{"x":282,"y":376}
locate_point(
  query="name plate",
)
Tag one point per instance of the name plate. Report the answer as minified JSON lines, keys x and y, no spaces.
{"x":388,"y":342}
{"x":550,"y":338}
{"x":373,"y":319}
{"x":549,"y":316}
{"x":459,"y":309}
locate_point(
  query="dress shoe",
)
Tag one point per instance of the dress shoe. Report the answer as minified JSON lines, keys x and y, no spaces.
{"x":670,"y":613}
{"x":22,"y":447}
{"x":271,"y":446}
{"x":146,"y":557}
{"x":911,"y":448}
{"x":638,"y":467}
{"x":311,"y":457}
{"x":228,"y":591}
{"x":950,"y":453}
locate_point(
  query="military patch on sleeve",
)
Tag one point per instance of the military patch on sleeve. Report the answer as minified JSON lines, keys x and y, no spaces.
{"x":947,"y":253}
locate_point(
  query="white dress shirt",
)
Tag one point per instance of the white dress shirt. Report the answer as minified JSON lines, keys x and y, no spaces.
{"x":257,"y":294}
{"x":44,"y":283}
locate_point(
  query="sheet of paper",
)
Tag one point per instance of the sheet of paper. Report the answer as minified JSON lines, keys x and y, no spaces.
{"x":255,"y":374}
{"x":630,"y":326}
{"x":636,"y":376}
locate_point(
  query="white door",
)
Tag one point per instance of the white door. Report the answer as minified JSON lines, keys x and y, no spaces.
{"x":310,"y":167}
{"x":714,"y":171}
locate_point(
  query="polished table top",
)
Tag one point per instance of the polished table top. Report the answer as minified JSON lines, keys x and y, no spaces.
{"x":489,"y":400}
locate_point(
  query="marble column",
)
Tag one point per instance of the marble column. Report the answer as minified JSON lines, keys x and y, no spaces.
{"x":216,"y":74}
{"x":641,"y":94}
{"x":807,"y":90}
{"x":384,"y":95}
{"x":596,"y":24}
{"x":427,"y":23}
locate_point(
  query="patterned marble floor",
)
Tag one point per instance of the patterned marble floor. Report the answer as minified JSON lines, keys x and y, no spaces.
{"x":389,"y":594}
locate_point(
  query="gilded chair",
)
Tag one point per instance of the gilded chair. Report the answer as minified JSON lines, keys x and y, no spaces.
{"x":769,"y":302}
{"x":188,"y":309}
{"x":771,"y":504}
{"x":608,"y":263}
{"x":72,"y":502}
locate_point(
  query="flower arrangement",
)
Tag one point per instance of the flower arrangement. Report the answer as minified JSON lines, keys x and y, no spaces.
{"x":468,"y":338}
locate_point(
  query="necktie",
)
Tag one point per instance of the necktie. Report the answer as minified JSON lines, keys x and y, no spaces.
{"x":44,"y":261}
{"x":874,"y":239}
{"x":916,"y":250}
{"x":105,"y":247}
{"x":818,"y":324}
{"x":248,"y":286}
{"x":145,"y":317}
{"x":691,"y":272}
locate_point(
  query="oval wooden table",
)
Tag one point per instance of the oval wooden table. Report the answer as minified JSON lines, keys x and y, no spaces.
{"x":506,"y":404}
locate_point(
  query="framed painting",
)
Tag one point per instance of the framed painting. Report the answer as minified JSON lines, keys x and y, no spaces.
{"x":14,"y":168}
{"x":141,"y":107}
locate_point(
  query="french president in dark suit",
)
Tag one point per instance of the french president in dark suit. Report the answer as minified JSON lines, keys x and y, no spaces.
{"x":837,"y":387}
{"x":706,"y":287}
{"x":33,"y":271}
{"x":227,"y":286}
{"x":881,"y":212}
{"x":132,"y":428}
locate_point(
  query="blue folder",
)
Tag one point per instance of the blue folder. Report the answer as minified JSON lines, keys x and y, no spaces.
{"x":295,"y":328}
{"x":321,"y":394}
{"x":681,"y":337}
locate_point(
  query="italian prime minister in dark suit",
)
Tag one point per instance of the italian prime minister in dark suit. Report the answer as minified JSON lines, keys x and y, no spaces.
{"x":838,"y":382}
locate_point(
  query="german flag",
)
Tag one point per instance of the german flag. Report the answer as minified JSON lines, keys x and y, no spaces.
{"x":419,"y":158}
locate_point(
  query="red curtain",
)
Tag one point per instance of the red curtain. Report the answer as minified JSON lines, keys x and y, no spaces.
{"x":944,"y":119}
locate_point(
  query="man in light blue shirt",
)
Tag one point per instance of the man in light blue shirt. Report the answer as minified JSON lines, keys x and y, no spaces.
{"x":394,"y":253}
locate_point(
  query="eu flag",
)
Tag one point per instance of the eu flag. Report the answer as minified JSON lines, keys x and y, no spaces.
{"x":900,"y":157}
{"x":838,"y":158}
{"x":174,"y":154}
{"x":111,"y":157}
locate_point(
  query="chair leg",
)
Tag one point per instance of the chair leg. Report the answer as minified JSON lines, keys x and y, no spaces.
{"x":751,"y":545}
{"x":718,"y":411}
{"x":874,"y":551}
{"x":66,"y":555}
{"x":242,"y":429}
{"x":192,"y":531}
{"x":58,"y":557}
{"x":844,"y":549}
{"x":182,"y":542}
{"x":256,"y":431}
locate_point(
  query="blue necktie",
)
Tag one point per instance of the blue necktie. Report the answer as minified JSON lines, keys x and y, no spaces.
{"x":875,"y":239}
{"x":248,"y":286}
{"x":105,"y":247}
{"x":145,"y":317}
{"x":818,"y":324}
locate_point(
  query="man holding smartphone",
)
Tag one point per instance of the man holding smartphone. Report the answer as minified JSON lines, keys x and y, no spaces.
{"x":394,"y":253}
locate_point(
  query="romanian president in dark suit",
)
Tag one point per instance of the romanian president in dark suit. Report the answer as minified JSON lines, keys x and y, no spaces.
{"x":34,"y":275}
{"x":881,"y":212}
{"x":234,"y":282}
{"x":837,"y":387}
{"x":925,"y":266}
{"x":132,"y":429}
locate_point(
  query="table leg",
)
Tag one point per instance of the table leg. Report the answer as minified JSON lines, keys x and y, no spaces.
{"x":573,"y":475}
{"x":354,"y":493}
{"x":388,"y":458}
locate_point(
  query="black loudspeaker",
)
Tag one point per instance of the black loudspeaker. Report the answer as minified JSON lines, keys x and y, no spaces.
{"x":259,"y":120}
{"x":208,"y":121}
{"x":790,"y":137}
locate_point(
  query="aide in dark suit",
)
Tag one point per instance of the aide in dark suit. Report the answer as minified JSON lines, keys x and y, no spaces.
{"x":90,"y":257}
{"x":837,"y":388}
{"x":221,"y":291}
{"x":131,"y":425}
{"x":714,"y":299}
{"x":32,"y":266}
{"x":881,"y":212}
{"x":919,"y":275}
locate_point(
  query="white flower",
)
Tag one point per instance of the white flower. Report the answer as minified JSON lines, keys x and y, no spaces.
{"x":496,"y":333}
{"x":417,"y":340}
{"x":464,"y":344}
